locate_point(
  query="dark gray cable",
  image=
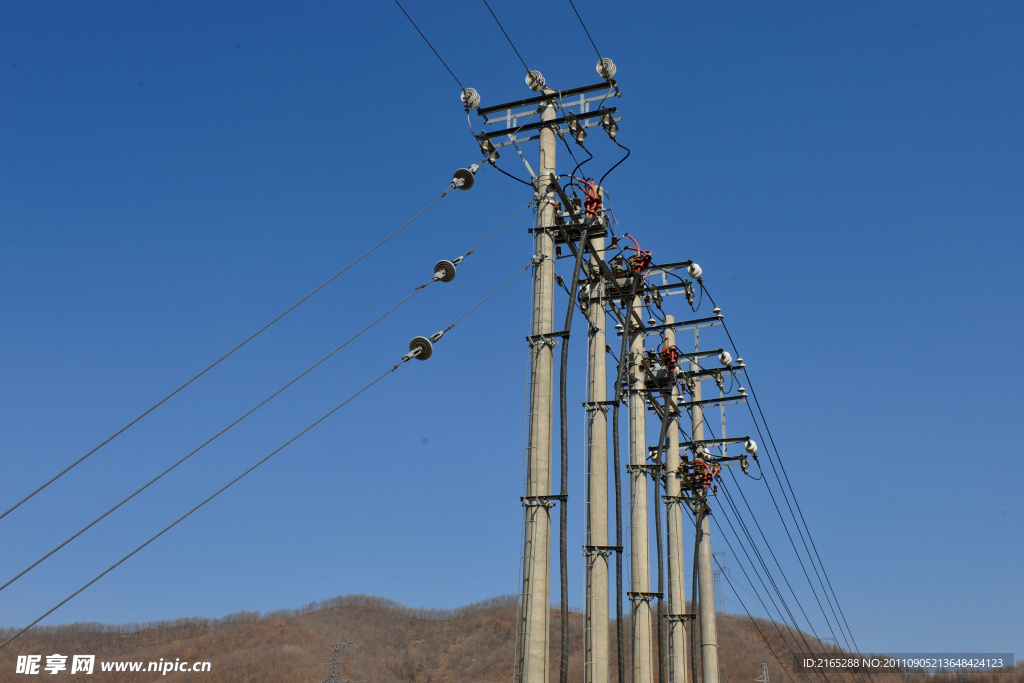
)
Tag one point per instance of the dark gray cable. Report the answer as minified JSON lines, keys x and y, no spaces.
{"x":563,"y":512}
{"x":175,"y":522}
{"x":620,"y":367}
{"x":749,"y":616}
{"x":506,"y":36}
{"x":431,"y":47}
{"x":788,"y":483}
{"x":585,"y":29}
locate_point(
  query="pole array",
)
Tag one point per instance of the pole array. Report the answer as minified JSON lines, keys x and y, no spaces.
{"x":664,"y":382}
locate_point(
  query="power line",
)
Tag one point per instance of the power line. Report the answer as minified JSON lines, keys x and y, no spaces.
{"x":259,"y":405}
{"x":749,"y":615}
{"x":407,"y":357}
{"x":218,"y":361}
{"x":792,"y":623}
{"x":429,"y":45}
{"x":506,"y":36}
{"x":585,"y":28}
{"x":771,"y":440}
{"x":785,"y":527}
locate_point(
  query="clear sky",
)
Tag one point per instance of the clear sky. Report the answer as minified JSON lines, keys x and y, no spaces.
{"x":173,"y":175}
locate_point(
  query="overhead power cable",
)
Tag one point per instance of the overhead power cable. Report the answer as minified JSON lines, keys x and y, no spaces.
{"x":506,"y":36}
{"x":585,"y":28}
{"x":206,"y":443}
{"x":429,"y":45}
{"x":218,"y":361}
{"x":792,"y":623}
{"x":785,"y":528}
{"x":407,"y":357}
{"x":771,"y":440}
{"x":740,"y":600}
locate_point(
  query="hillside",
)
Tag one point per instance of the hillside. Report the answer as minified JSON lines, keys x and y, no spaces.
{"x":395,"y":643}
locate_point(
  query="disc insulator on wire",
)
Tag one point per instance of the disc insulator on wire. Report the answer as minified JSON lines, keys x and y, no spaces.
{"x":422,"y":346}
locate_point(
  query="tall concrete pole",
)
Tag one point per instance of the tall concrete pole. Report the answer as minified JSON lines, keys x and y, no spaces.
{"x":595,"y":657}
{"x":640,"y":572}
{"x":677,"y":669}
{"x":705,"y":576}
{"x":535,"y":608}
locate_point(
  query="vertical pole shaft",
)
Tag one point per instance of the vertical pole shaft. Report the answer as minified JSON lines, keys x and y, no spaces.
{"x":705,"y":578}
{"x":534,"y":631}
{"x":676,"y":576}
{"x":595,"y":659}
{"x":640,"y":573}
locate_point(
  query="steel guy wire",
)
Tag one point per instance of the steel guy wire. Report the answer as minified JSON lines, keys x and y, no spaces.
{"x":218,"y":361}
{"x":431,"y":47}
{"x":788,"y":483}
{"x":257,"y":406}
{"x":405,"y":358}
{"x":204,"y":502}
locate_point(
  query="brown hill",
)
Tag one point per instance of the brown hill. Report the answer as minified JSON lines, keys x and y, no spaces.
{"x":474,"y":643}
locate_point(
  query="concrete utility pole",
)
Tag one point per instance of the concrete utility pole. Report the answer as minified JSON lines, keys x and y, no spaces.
{"x":640,"y":573}
{"x":595,"y":657}
{"x":677,"y":669}
{"x":534,"y":634}
{"x":705,"y":579}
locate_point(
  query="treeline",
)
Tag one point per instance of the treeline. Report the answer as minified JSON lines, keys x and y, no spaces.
{"x":433,"y":614}
{"x":473,"y":643}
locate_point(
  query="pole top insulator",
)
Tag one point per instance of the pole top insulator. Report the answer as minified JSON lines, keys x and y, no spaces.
{"x":535,"y":81}
{"x":470,"y":97}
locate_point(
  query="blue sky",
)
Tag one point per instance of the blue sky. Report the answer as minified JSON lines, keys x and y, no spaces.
{"x":174,"y":175}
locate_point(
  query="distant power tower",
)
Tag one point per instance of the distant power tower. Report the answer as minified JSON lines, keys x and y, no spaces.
{"x":648,"y":375}
{"x":335,"y":662}
{"x":721,"y":568}
{"x":763,"y":678}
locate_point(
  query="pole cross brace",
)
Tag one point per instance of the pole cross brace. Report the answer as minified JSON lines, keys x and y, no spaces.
{"x":543,"y":501}
{"x":650,"y":469}
{"x":643,"y":596}
{"x":676,"y":500}
{"x":601,"y":549}
{"x":591,"y":406}
{"x":680,"y":617}
{"x":548,"y":338}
